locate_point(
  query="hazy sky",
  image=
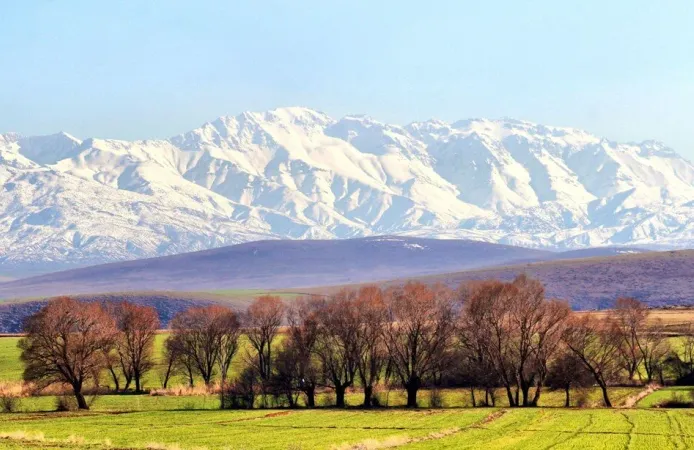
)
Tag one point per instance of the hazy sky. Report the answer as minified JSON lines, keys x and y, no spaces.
{"x":623,"y":69}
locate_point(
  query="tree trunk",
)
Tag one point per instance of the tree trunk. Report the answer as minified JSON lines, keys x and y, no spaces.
{"x":472,"y":396}
{"x":138,"y":388}
{"x":412,"y":395}
{"x":525,"y":389}
{"x":368,"y":394}
{"x":81,"y":401}
{"x":517,"y":392}
{"x":536,"y":396}
{"x":339,"y":396}
{"x":567,"y":401}
{"x":190,"y":377}
{"x":116,"y":381}
{"x":310,"y":397}
{"x":509,"y":394}
{"x":605,"y":397}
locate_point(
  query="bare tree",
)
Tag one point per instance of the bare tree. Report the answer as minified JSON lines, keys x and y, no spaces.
{"x":171,"y":357}
{"x":629,"y":316}
{"x":199,"y":335}
{"x":65,"y":343}
{"x":262,"y":321}
{"x":567,"y":371}
{"x":596,"y":343}
{"x":516,"y":330}
{"x":418,"y":333}
{"x":227,"y":330}
{"x":137,"y":326}
{"x":336,"y":343}
{"x":372,"y":316}
{"x":302,"y":335}
{"x":654,"y":349}
{"x":475,"y":366}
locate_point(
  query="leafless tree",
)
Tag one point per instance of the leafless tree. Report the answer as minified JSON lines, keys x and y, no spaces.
{"x":137,"y":326}
{"x":567,"y":371}
{"x":418,"y":333}
{"x":302,"y":335}
{"x":596,"y":343}
{"x":372,"y":355}
{"x":654,"y":349}
{"x":204,"y":337}
{"x":171,"y":360}
{"x":228,"y":331}
{"x":262,"y":322}
{"x":65,"y":343}
{"x":515,"y":330}
{"x":336,"y":344}
{"x":629,"y":316}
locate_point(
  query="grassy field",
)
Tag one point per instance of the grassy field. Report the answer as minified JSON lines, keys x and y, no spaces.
{"x":538,"y":428}
{"x":194,"y":422}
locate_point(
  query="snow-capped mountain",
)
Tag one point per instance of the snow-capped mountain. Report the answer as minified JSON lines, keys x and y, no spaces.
{"x":298,"y":173}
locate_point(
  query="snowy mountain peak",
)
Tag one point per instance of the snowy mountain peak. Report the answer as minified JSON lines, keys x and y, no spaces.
{"x":298,"y":173}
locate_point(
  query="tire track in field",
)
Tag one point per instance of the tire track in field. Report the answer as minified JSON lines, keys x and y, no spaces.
{"x":394,"y":441}
{"x":575,"y":434}
{"x":632,"y":428}
{"x":675,"y":426}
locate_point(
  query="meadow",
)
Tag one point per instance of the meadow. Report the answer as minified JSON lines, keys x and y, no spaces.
{"x":536,"y":428}
{"x":195,"y":422}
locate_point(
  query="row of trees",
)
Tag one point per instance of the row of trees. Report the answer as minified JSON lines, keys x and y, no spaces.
{"x":485,"y":335}
{"x":71,"y":342}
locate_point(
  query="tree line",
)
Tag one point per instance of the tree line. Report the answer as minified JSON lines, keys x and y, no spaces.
{"x":483,"y":336}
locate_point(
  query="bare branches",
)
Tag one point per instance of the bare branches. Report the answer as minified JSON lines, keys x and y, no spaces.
{"x":67,"y":342}
{"x":418,"y":334}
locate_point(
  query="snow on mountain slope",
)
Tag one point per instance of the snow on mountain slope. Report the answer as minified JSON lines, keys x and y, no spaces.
{"x":298,"y":173}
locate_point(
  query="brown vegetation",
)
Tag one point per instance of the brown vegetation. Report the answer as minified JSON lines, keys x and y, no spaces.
{"x":485,"y":335}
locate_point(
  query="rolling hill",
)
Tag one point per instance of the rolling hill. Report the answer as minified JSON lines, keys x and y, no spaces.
{"x":659,"y":279}
{"x":277,"y":264}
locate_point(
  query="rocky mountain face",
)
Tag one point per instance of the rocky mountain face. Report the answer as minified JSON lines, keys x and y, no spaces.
{"x":297,"y":173}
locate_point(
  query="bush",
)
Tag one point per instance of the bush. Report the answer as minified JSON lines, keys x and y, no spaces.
{"x":65,"y":403}
{"x":9,"y":403}
{"x":242,"y":393}
{"x":580,"y":398}
{"x":435,"y":398}
{"x":328,"y":399}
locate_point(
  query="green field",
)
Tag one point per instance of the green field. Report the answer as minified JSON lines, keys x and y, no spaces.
{"x":195,"y":422}
{"x":301,"y":429}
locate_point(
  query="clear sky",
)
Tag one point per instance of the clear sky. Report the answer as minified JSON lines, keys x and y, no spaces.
{"x":623,"y":69}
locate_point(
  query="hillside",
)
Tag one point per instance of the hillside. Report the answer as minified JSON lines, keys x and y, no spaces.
{"x":656,"y":278}
{"x":299,"y":174}
{"x":276,"y":264}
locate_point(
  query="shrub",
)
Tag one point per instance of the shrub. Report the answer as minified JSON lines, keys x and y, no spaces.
{"x":9,"y":403}
{"x":65,"y":403}
{"x":435,"y":398}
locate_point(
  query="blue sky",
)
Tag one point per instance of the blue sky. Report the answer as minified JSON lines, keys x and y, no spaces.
{"x":623,"y":69}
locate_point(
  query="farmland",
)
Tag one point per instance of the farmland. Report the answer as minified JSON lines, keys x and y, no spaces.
{"x":145,"y":421}
{"x":184,"y":418}
{"x":301,"y":429}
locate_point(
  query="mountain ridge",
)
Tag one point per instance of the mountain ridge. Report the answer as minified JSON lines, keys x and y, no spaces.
{"x":298,"y":173}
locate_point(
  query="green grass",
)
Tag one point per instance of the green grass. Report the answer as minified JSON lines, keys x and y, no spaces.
{"x":656,"y":398}
{"x":187,"y":422}
{"x":301,"y":429}
{"x":10,"y":365}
